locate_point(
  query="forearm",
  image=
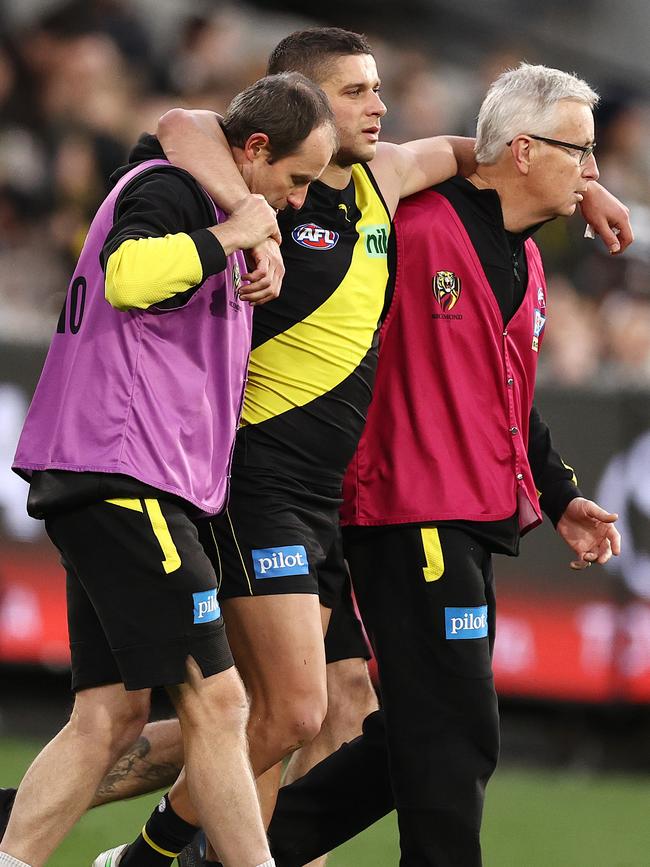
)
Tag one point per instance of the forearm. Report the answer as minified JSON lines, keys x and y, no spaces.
{"x":416,"y":165}
{"x":554,"y":479}
{"x":194,"y":141}
{"x":146,"y":271}
{"x":463,"y":150}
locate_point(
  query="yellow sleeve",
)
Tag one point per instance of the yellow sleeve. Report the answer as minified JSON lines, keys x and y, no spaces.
{"x":146,"y":271}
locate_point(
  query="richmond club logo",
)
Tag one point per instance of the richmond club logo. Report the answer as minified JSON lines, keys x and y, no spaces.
{"x":314,"y":238}
{"x":446,"y":289}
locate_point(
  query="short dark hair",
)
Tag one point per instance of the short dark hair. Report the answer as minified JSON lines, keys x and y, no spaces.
{"x":312,"y":51}
{"x":287,"y":107}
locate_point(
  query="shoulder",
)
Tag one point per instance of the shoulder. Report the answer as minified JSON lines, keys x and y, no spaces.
{"x":166,"y":190}
{"x":163,"y":178}
{"x":387,"y":168}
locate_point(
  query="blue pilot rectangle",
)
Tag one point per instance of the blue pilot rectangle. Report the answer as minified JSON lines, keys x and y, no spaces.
{"x":206,"y":607}
{"x":466,"y":622}
{"x":276,"y":562}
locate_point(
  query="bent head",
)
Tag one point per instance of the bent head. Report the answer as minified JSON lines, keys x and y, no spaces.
{"x":341,"y":62}
{"x":537,"y":123}
{"x":282,"y":134}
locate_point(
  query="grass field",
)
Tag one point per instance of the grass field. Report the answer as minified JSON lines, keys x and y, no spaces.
{"x":533,"y":819}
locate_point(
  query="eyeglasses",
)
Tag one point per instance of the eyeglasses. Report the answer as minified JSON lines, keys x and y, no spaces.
{"x":585,"y":150}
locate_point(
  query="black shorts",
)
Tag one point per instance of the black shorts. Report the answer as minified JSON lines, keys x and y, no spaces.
{"x":141,"y":594}
{"x":345,"y":637}
{"x":277,"y":536}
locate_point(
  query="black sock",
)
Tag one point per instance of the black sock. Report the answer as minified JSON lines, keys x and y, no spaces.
{"x":163,"y":837}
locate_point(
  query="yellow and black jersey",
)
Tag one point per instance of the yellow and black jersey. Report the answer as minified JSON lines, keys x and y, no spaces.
{"x":314,"y":349}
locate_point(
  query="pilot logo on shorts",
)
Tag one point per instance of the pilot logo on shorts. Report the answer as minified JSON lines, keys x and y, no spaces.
{"x":466,"y":622}
{"x":446,"y":289}
{"x":206,"y":607}
{"x":314,"y":238}
{"x":277,"y":562}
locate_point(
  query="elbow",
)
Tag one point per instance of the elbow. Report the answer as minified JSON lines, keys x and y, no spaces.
{"x":127,"y":276}
{"x":117,"y":293}
{"x":171,"y":124}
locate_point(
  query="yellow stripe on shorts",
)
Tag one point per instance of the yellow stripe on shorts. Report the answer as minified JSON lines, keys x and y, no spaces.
{"x":432,"y":554}
{"x":172,"y":559}
{"x":134,"y":505}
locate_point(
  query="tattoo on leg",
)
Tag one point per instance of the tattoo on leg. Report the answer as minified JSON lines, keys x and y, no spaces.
{"x":134,"y":774}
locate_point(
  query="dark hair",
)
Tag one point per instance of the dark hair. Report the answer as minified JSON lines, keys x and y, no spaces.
{"x":312,"y":51}
{"x":287,"y":107}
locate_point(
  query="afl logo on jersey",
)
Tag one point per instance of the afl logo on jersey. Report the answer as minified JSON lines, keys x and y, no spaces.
{"x":314,"y":238}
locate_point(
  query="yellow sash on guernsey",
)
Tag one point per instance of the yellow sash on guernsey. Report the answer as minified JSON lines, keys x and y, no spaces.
{"x":319,"y":352}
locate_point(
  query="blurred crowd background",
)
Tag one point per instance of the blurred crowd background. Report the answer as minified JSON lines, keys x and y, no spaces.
{"x":79,"y":81}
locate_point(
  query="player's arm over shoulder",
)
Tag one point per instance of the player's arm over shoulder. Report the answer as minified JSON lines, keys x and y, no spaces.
{"x":401,"y":170}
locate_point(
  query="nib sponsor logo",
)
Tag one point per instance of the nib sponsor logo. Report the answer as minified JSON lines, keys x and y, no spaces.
{"x":206,"y":607}
{"x":466,"y":622}
{"x":276,"y":562}
{"x":376,"y":238}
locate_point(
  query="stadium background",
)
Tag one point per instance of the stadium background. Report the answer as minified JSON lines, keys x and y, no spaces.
{"x":79,"y":81}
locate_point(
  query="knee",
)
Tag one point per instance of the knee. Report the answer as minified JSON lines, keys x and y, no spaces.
{"x":351,"y":695}
{"x":289,"y":722}
{"x":304,"y":720}
{"x":219,"y":700}
{"x":113,"y":719}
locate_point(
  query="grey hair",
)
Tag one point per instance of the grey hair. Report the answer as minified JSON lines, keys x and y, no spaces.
{"x":523,"y":100}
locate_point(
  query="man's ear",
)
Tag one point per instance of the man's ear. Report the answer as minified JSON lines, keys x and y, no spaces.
{"x":256,"y":146}
{"x":521,"y":148}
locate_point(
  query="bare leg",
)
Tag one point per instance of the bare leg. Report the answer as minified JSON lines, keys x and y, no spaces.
{"x":59,"y":786}
{"x":277,"y":642}
{"x":153,"y":762}
{"x":351,"y":697}
{"x":213,"y":712}
{"x":268,"y":784}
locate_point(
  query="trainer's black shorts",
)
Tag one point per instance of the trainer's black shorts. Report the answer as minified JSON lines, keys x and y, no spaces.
{"x":345,"y":637}
{"x":277,"y":536}
{"x":141,"y":594}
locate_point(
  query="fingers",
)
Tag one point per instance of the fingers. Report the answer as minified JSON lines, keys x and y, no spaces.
{"x":608,"y":546}
{"x":261,"y":297}
{"x":614,"y":539}
{"x":609,"y":237}
{"x":625,"y":235}
{"x":617,"y":237}
{"x":593,"y":510}
{"x":260,"y":273}
{"x":264,"y":279}
{"x":262,"y":287}
{"x":585,"y":561}
{"x":604,"y":552}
